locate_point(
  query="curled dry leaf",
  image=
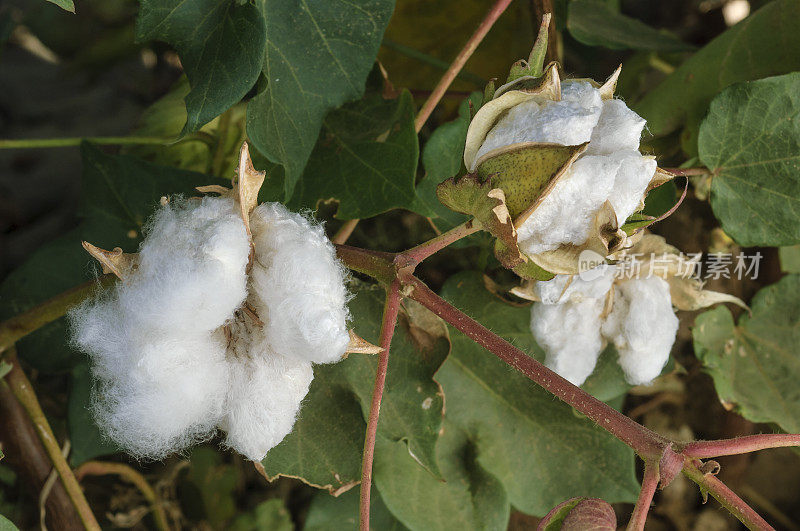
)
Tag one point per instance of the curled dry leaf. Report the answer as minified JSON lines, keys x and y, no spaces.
{"x":116,"y":262}
{"x":359,"y":345}
{"x":424,"y":326}
{"x":578,"y":514}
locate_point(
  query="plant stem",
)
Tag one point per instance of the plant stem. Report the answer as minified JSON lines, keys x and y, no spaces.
{"x":725,"y":496}
{"x":98,"y":468}
{"x":23,"y":391}
{"x":740,"y":445}
{"x":687,"y":172}
{"x":458,"y":63}
{"x":344,"y":231}
{"x":646,"y":443}
{"x":100,"y":140}
{"x":23,"y":324}
{"x":415,"y":255}
{"x":390,"y":311}
{"x":649,"y":485}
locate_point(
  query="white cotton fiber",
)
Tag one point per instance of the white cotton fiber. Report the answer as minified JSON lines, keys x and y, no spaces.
{"x":566,"y":215}
{"x":300,"y":286}
{"x":569,"y":333}
{"x":568,"y":122}
{"x":633,"y":177}
{"x":266,"y":390}
{"x":618,"y":129}
{"x":563,"y":288}
{"x":156,"y":350}
{"x":642,"y":326}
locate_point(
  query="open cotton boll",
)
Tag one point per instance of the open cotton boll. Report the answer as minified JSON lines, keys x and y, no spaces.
{"x":156,"y":392}
{"x":618,"y":129}
{"x":633,"y":177}
{"x":569,"y":333}
{"x":566,"y":214}
{"x":568,"y":122}
{"x":642,"y":326}
{"x":302,"y":298}
{"x":266,"y":390}
{"x":191,"y":274}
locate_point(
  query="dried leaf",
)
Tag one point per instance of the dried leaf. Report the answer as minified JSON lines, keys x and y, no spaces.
{"x":116,"y":262}
{"x":359,"y":345}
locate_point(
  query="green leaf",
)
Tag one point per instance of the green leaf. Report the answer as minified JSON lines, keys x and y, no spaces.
{"x":366,"y":159}
{"x":790,"y":259}
{"x":85,"y":437}
{"x":6,"y":524}
{"x":329,"y":513}
{"x":538,"y":448}
{"x":596,"y":24}
{"x":270,"y":515}
{"x":751,"y":141}
{"x":442,"y":158}
{"x":324,"y":449}
{"x":754,"y":48}
{"x":66,"y":5}
{"x":317,"y":57}
{"x":468,"y":498}
{"x":755,"y":364}
{"x":221,"y":45}
{"x":208,"y":489}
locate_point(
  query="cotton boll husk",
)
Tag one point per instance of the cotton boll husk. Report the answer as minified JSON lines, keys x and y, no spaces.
{"x":266,"y":390}
{"x":642,"y":325}
{"x":155,"y":393}
{"x":563,"y":288}
{"x":191,"y":273}
{"x":566,"y":214}
{"x":299,"y":286}
{"x":618,"y":129}
{"x":569,"y":333}
{"x":567,"y":122}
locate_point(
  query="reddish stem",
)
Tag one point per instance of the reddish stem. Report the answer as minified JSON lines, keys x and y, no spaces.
{"x":648,"y":444}
{"x":688,"y":171}
{"x":725,"y":496}
{"x":740,"y":445}
{"x":415,"y":255}
{"x":459,"y":62}
{"x":649,"y":484}
{"x":390,"y":312}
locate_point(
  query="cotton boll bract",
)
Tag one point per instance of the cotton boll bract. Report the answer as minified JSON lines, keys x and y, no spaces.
{"x":299,"y":283}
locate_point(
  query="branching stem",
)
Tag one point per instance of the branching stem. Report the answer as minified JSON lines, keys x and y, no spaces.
{"x":740,"y":445}
{"x":649,"y":485}
{"x":390,"y":311}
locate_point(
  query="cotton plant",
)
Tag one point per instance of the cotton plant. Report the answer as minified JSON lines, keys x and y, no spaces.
{"x":215,"y":323}
{"x":554,"y":170}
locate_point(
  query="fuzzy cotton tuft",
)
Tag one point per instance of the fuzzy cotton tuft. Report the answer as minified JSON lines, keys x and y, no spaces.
{"x":153,"y":341}
{"x":189,"y":342}
{"x":610,"y":169}
{"x":300,"y":283}
{"x":572,"y":323}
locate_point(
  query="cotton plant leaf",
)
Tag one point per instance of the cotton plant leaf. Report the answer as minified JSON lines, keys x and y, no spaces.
{"x":6,"y":524}
{"x":468,"y":498}
{"x":329,"y":513}
{"x":538,"y":449}
{"x":790,"y":259}
{"x":751,"y":142}
{"x":210,"y":484}
{"x":598,"y":24}
{"x":221,"y":44}
{"x":84,"y":435}
{"x":66,"y":5}
{"x":752,"y":49}
{"x":365,"y":159}
{"x":324,"y":448}
{"x":317,"y":57}
{"x":754,"y":363}
{"x":269,"y":515}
